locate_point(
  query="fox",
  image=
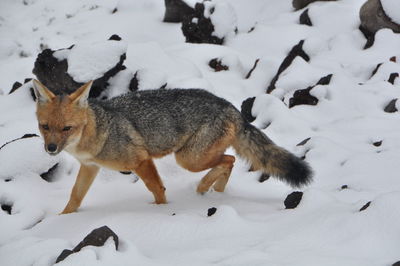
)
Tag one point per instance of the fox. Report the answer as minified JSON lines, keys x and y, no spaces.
{"x":126,"y":133}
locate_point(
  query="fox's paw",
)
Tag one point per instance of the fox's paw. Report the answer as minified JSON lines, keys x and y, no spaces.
{"x":67,"y":211}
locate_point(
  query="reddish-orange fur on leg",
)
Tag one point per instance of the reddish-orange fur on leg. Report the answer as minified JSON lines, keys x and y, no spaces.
{"x":148,"y":173}
{"x":84,"y":180}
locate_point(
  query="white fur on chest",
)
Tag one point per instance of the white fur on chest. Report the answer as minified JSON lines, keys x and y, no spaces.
{"x":82,"y":156}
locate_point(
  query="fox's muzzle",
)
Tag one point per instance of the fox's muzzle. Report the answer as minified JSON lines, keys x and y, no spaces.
{"x":52,"y":149}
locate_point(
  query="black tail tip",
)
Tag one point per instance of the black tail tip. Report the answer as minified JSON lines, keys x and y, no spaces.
{"x":298,"y":173}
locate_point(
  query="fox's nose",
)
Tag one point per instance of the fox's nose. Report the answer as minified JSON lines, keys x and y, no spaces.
{"x":51,"y":147}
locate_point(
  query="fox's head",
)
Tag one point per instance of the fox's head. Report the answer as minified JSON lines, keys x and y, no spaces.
{"x":61,"y":118}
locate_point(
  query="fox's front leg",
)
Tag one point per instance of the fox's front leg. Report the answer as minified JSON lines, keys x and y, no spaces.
{"x":148,"y":173}
{"x":84,"y":180}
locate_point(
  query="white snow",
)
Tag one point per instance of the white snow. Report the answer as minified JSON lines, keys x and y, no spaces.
{"x":223,"y":17}
{"x":391,"y":8}
{"x":89,"y":61}
{"x":251,"y":226}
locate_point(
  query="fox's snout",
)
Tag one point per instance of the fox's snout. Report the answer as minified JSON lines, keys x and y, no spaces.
{"x":51,"y":148}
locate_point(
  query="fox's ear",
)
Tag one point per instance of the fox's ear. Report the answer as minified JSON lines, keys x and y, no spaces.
{"x":81,"y":95}
{"x":42,"y":93}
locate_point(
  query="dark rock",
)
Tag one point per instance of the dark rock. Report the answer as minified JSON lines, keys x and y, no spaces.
{"x":134,"y":83}
{"x":325,"y":80}
{"x":373,"y":18}
{"x":7,"y":208}
{"x":49,"y":175}
{"x":376,"y":69}
{"x":53,"y":74}
{"x":377,"y":143}
{"x":365,"y":206}
{"x":246,"y":107}
{"x":304,"y":97}
{"x":64,"y":254}
{"x":27,"y":80}
{"x":297,"y":50}
{"x":393,"y":59}
{"x":391,"y":107}
{"x":8,"y":180}
{"x":198,"y":29}
{"x":251,"y":29}
{"x":211,"y":211}
{"x":293,"y":199}
{"x":252,"y":69}
{"x":396,"y":263}
{"x":299,"y":4}
{"x":303,"y":142}
{"x":217,"y":65}
{"x":163,"y":86}
{"x":176,"y":10}
{"x":95,"y":238}
{"x":263,"y":177}
{"x":23,"y":137}
{"x":15,"y":86}
{"x":344,"y":187}
{"x":368,"y":35}
{"x":305,"y":18}
{"x":393,"y":77}
{"x":115,"y":10}
{"x":114,"y":37}
{"x":29,"y":135}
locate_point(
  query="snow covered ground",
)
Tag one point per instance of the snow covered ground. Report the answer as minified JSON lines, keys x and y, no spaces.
{"x":354,"y":145}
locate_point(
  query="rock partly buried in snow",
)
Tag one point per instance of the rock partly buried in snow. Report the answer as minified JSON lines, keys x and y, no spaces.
{"x":211,"y":22}
{"x":303,"y":142}
{"x":391,"y":107}
{"x":217,"y":65}
{"x":304,"y":97}
{"x":299,"y":4}
{"x":49,"y":175}
{"x":396,"y":263}
{"x":293,"y":199}
{"x":6,"y":207}
{"x":176,"y":10}
{"x":393,"y":77}
{"x":363,"y":208}
{"x":15,"y":86}
{"x":305,"y":18}
{"x":252,"y":69}
{"x":65,"y":70}
{"x":211,"y":211}
{"x":379,"y":14}
{"x":246,"y":107}
{"x":377,"y":143}
{"x":96,"y":238}
{"x":296,"y":50}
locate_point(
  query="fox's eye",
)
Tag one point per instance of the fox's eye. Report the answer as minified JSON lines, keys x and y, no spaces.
{"x":45,"y":127}
{"x":67,"y":128}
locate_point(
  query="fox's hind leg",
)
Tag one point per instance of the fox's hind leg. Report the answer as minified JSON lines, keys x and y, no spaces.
{"x":204,"y":151}
{"x":218,"y":175}
{"x":148,"y":173}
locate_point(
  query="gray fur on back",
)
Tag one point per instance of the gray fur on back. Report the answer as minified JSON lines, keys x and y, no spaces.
{"x":164,"y":117}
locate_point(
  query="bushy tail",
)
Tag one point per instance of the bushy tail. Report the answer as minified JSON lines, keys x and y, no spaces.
{"x":271,"y":159}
